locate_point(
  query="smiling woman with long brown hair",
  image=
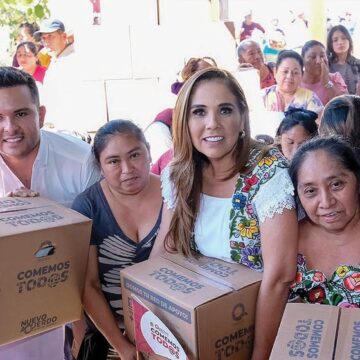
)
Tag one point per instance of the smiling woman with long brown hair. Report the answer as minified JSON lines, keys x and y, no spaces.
{"x":256,"y":224}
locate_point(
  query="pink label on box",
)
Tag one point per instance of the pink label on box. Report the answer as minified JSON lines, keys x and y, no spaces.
{"x":152,"y":336}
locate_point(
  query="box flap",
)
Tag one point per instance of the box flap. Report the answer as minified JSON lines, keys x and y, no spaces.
{"x":348,"y":340}
{"x":22,"y":203}
{"x":176,"y":283}
{"x":37,"y":218}
{"x":306,"y":331}
{"x":230,"y":274}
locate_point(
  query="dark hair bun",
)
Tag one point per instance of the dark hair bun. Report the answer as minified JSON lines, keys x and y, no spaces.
{"x":311,"y":115}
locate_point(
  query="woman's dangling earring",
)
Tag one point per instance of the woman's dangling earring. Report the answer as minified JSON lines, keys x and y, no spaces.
{"x":242,"y":134}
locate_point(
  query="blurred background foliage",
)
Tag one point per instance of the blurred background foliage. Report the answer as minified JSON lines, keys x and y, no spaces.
{"x":15,"y":12}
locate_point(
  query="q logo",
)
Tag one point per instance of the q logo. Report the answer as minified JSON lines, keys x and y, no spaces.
{"x":238,"y":312}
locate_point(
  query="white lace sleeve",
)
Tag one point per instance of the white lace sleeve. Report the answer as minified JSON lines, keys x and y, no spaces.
{"x":168,"y":191}
{"x":275,"y":195}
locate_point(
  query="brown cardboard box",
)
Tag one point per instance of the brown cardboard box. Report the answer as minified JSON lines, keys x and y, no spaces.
{"x":322,"y":332}
{"x":43,"y":258}
{"x":348,"y":339}
{"x":306,"y":331}
{"x":208,"y":304}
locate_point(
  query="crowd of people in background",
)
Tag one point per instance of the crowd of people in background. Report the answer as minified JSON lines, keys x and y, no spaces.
{"x":287,"y":206}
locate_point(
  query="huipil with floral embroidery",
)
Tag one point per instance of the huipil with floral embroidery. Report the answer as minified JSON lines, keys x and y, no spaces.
{"x":229,"y":229}
{"x":312,"y":286}
{"x":258,"y":195}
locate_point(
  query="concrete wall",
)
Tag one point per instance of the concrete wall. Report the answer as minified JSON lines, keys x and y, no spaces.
{"x":129,"y":61}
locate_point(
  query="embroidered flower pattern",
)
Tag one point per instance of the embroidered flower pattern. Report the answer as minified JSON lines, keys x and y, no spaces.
{"x":342,"y":271}
{"x":352,"y":282}
{"x":267,"y":160}
{"x":249,"y":183}
{"x":245,"y":245}
{"x":238,"y":201}
{"x":342,"y":289}
{"x":251,"y":257}
{"x":248,"y":228}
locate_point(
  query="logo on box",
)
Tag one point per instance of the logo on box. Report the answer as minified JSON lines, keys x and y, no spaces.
{"x":47,"y":275}
{"x":13,"y":202}
{"x":175,"y":281}
{"x":37,"y":322}
{"x":29,"y":219}
{"x":153,"y":336}
{"x":238,"y":312}
{"x":307,"y":338}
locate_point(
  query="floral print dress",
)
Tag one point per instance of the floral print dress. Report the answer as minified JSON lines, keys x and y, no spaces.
{"x":312,"y":286}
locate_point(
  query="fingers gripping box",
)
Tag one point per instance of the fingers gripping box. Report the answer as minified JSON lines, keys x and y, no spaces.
{"x":207,"y":304}
{"x":43,"y":258}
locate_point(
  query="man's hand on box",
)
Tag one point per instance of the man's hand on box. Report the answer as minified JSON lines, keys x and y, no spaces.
{"x":22,"y":192}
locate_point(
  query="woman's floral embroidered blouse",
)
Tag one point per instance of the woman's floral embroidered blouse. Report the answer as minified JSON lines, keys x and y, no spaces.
{"x":267,"y":190}
{"x":342,"y":289}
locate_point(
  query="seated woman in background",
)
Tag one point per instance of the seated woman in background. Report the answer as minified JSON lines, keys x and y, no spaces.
{"x":326,"y":175}
{"x":256,"y":224}
{"x":125,"y":207}
{"x":317,"y":77}
{"x":339,"y":52}
{"x":298,"y":126}
{"x":287,"y":92}
{"x":26,"y":55}
{"x":250,"y":55}
{"x":341,"y":116}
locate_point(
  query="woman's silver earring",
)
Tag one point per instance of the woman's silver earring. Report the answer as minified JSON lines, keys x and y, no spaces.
{"x":242,"y":134}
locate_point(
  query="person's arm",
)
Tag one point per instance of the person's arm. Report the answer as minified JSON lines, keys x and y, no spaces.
{"x":332,"y":84}
{"x":99,"y":311}
{"x":279,"y":251}
{"x":259,"y":27}
{"x":168,"y":194}
{"x":166,"y":217}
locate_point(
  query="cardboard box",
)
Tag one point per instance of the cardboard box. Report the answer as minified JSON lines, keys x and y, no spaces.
{"x":323,"y":332}
{"x":348,"y":339}
{"x":207,"y":304}
{"x":43,"y":259}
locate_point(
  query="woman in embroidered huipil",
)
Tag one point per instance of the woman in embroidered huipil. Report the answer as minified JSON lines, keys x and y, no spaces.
{"x":326,"y":174}
{"x":229,"y":196}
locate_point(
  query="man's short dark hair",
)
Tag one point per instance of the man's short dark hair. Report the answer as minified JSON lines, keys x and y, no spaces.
{"x":10,"y":77}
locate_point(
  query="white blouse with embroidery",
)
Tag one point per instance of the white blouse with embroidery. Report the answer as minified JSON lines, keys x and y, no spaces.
{"x":212,"y":223}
